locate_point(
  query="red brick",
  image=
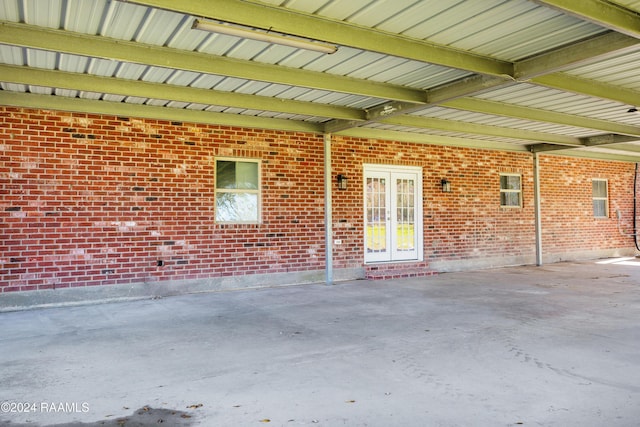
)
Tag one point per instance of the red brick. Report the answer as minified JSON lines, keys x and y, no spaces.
{"x":80,"y":215}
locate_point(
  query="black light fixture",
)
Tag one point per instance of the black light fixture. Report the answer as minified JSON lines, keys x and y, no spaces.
{"x":446,"y":185}
{"x":342,"y":182}
{"x":632,"y":110}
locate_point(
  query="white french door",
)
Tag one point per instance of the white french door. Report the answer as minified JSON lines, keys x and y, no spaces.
{"x":392,"y":213}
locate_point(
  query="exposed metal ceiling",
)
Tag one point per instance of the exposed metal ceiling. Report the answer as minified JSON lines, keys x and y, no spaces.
{"x":522,"y":75}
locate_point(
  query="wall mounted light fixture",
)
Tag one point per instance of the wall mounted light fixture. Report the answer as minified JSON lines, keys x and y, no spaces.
{"x":446,"y":185}
{"x":342,"y":182}
{"x":632,"y":110}
{"x":256,"y":34}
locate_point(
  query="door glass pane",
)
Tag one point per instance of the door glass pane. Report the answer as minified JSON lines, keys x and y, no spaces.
{"x":405,"y":211}
{"x":376,"y":231}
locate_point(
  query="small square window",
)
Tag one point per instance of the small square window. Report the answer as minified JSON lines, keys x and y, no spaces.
{"x":510,"y":191}
{"x":237,"y":191}
{"x":600,"y":194}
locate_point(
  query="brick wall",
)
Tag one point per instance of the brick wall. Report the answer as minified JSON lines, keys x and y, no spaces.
{"x":464,"y":224}
{"x":92,"y":200}
{"x":98,"y":200}
{"x":567,"y":206}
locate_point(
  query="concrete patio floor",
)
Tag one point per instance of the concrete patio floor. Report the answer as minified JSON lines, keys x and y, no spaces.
{"x":557,"y":345}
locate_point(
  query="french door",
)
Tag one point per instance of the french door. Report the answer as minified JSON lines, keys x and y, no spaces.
{"x":392,"y":213}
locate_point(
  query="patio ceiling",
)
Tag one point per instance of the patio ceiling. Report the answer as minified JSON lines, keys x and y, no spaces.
{"x":556,"y":76}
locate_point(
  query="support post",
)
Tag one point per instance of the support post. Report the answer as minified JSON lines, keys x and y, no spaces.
{"x":537,"y":207}
{"x":328,"y":207}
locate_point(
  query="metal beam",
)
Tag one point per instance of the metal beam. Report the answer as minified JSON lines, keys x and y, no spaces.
{"x":466,"y":87}
{"x":116,"y":86}
{"x":110,"y":85}
{"x":589,"y":87}
{"x":595,"y":155}
{"x":600,"y":12}
{"x":120,"y":50}
{"x":625,"y":146}
{"x":576,"y":54}
{"x":72,"y":43}
{"x":374,"y":115}
{"x":286,"y":21}
{"x":527,"y":113}
{"x":533,"y":69}
{"x":608,"y":139}
{"x":418,"y":138}
{"x":28,"y":100}
{"x":403,"y":99}
{"x":81,"y":82}
{"x":478,"y":129}
{"x":549,"y":149}
{"x":425,"y":138}
{"x":544,"y":148}
{"x":631,"y":148}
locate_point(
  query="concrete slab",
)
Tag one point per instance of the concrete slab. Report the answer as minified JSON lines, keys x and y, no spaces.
{"x":557,"y":345}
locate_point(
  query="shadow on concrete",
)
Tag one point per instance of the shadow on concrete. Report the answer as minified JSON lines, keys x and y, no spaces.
{"x":143,"y":417}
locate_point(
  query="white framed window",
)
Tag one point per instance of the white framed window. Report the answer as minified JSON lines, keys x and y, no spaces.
{"x":510,"y":190}
{"x":238,"y":190}
{"x":600,"y":194}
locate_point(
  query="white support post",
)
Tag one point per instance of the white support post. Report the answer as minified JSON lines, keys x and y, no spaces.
{"x":537,"y":207}
{"x":328,"y":207}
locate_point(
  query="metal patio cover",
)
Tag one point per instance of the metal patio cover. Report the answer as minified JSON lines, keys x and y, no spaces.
{"x":557,"y":76}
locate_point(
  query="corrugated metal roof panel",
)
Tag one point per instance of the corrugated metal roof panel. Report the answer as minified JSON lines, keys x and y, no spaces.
{"x":619,"y":70}
{"x":156,"y":74}
{"x":41,"y":59}
{"x":423,"y":76}
{"x":157,"y":102}
{"x":631,"y":4}
{"x":130,"y":71}
{"x":504,"y":122}
{"x":12,"y":87}
{"x":102,"y":67}
{"x":10,"y":11}
{"x":73,"y":63}
{"x":44,"y":14}
{"x":122,"y":20}
{"x":606,"y":150}
{"x":182,"y":78}
{"x":113,"y":98}
{"x":557,"y":101}
{"x":87,"y":95}
{"x":507,"y":29}
{"x":12,"y":55}
{"x":436,"y":132}
{"x":84,"y":16}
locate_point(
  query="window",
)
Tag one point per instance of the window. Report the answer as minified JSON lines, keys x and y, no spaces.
{"x":510,"y":191}
{"x":600,"y":198}
{"x":237,"y":191}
